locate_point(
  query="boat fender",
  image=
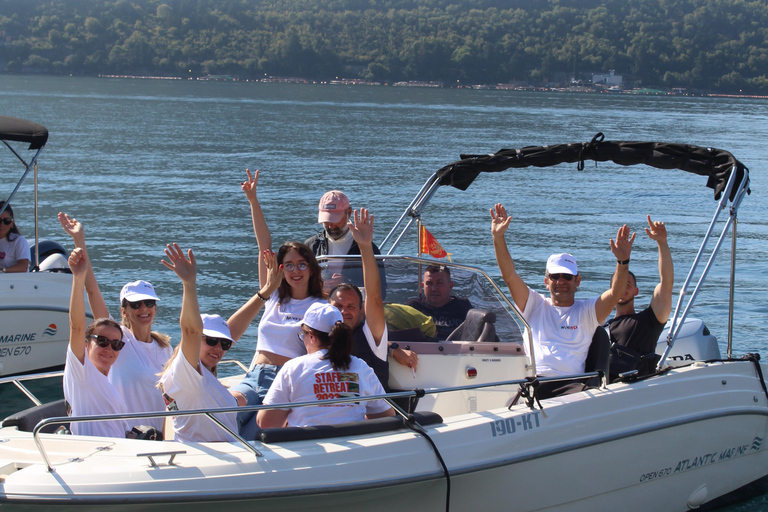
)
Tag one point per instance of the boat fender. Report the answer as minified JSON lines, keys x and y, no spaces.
{"x":698,"y":497}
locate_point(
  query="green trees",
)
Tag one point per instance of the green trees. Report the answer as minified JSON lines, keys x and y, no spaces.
{"x":708,"y":44}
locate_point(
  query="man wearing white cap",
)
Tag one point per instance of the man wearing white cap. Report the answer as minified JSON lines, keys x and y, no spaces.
{"x":561,"y":327}
{"x":334,"y":213}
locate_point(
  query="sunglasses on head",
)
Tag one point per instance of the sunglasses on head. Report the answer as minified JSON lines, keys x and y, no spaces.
{"x":226,"y":343}
{"x":150,"y":303}
{"x":564,"y":277}
{"x":290,"y":267}
{"x":103,"y":341}
{"x":7,"y":221}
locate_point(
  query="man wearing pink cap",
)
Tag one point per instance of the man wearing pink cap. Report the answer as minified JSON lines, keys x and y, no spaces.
{"x":561,"y":326}
{"x":335,"y":239}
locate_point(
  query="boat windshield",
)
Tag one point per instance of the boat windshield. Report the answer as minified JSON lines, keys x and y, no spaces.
{"x":403,"y":276}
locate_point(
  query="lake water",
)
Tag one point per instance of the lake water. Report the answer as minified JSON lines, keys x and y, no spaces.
{"x":146,"y":162}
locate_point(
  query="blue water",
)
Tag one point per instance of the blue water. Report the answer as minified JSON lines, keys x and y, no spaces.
{"x":142,"y":163}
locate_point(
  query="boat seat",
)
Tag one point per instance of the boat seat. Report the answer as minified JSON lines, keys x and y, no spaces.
{"x":354,"y":428}
{"x":28,"y":418}
{"x":599,"y":356}
{"x":477,"y":326}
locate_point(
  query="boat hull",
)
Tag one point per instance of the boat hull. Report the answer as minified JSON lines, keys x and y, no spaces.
{"x":669,"y":442}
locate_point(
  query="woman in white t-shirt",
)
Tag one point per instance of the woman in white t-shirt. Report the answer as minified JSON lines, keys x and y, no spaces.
{"x":189,"y":380}
{"x":328,"y":371}
{"x":300,"y":287}
{"x":14,"y":248}
{"x":134,"y":374}
{"x":92,"y":351}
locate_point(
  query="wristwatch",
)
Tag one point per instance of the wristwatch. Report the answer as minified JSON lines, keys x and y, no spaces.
{"x":393,"y":347}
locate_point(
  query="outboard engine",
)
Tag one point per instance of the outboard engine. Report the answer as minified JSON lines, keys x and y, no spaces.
{"x":53,"y":257}
{"x":694,"y":343}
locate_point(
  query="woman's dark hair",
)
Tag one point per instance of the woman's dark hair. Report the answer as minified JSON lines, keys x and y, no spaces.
{"x":14,"y":229}
{"x":315,"y":274}
{"x":102,"y":321}
{"x":339,"y":343}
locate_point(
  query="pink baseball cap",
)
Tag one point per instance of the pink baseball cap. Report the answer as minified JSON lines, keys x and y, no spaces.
{"x":332,"y":206}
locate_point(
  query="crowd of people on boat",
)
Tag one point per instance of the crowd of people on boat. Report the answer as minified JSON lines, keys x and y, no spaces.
{"x":317,"y":339}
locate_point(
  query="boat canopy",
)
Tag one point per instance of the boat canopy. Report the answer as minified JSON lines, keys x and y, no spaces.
{"x":20,"y":130}
{"x":715,"y":164}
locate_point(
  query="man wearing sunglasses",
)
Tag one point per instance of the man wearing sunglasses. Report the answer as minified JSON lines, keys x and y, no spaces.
{"x":561,"y":326}
{"x":639,"y":332}
{"x":336,"y":239}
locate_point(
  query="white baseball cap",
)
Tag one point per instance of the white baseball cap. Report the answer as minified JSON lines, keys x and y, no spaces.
{"x":216,"y":327}
{"x":562,"y":263}
{"x":322,"y":316}
{"x":136,"y":291}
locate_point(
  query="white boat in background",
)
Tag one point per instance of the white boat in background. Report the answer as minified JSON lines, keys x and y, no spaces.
{"x":471,"y":433}
{"x":34,"y":306}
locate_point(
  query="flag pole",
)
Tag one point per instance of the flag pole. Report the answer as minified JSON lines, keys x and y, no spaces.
{"x":420,"y":231}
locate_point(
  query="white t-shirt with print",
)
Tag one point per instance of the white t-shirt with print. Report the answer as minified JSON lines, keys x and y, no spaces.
{"x":309,"y":378}
{"x":280,"y":325}
{"x":561,"y":335}
{"x":135,"y":374}
{"x":89,"y":392}
{"x":13,"y":251}
{"x":185,"y":389}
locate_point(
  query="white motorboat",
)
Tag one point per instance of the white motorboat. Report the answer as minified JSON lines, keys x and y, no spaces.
{"x":472,"y":434}
{"x":34,"y":306}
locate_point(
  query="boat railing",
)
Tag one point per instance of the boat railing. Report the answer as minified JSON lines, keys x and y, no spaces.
{"x":682,"y":308}
{"x":212,"y":412}
{"x":17,"y":380}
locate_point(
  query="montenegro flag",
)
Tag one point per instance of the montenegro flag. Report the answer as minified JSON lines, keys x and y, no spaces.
{"x":428,"y":244}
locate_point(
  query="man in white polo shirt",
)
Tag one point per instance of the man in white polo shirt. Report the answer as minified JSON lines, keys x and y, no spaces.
{"x":561,"y":327}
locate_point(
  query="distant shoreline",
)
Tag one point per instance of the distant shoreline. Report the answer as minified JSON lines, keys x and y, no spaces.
{"x":640,"y":91}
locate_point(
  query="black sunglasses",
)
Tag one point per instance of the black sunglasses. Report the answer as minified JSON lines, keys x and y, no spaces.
{"x":565,"y":277}
{"x":226,"y":343}
{"x":150,"y":303}
{"x":103,"y":341}
{"x":7,"y":222}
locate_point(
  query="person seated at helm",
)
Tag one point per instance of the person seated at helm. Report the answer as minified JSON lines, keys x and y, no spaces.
{"x":14,"y":248}
{"x":335,"y":239}
{"x":448,"y":311}
{"x":326,"y":372}
{"x":91,"y":353}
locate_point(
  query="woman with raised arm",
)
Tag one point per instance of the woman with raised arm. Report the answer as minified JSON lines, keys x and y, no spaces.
{"x":14,"y":248}
{"x":146,"y":351}
{"x":189,"y":380}
{"x":301,"y":286}
{"x":91,"y":353}
{"x":328,"y":371}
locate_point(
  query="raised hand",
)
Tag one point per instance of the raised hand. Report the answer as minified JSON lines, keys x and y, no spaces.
{"x":274,"y":273}
{"x":78,"y":262}
{"x":623,"y":245}
{"x":249,"y":185}
{"x":656,"y":230}
{"x":72,"y":227}
{"x":499,"y":220}
{"x":362,"y":228}
{"x":184,"y":267}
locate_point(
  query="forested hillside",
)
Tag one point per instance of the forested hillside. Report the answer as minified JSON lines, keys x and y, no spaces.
{"x":716,"y":45}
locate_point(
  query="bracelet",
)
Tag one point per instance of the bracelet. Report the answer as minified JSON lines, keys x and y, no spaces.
{"x":625,"y":262}
{"x":259,"y":295}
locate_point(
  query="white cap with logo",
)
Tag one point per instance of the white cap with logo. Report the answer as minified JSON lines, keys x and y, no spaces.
{"x":562,"y":263}
{"x":136,"y":291}
{"x":216,"y":327}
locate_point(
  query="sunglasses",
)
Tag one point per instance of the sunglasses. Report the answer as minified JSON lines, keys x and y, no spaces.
{"x":150,"y":303}
{"x":290,"y":267}
{"x":226,"y":343}
{"x":7,"y":221}
{"x":103,"y":342}
{"x":564,"y":277}
{"x":301,"y":335}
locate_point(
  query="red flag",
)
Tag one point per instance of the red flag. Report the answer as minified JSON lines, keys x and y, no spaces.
{"x":428,"y":244}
